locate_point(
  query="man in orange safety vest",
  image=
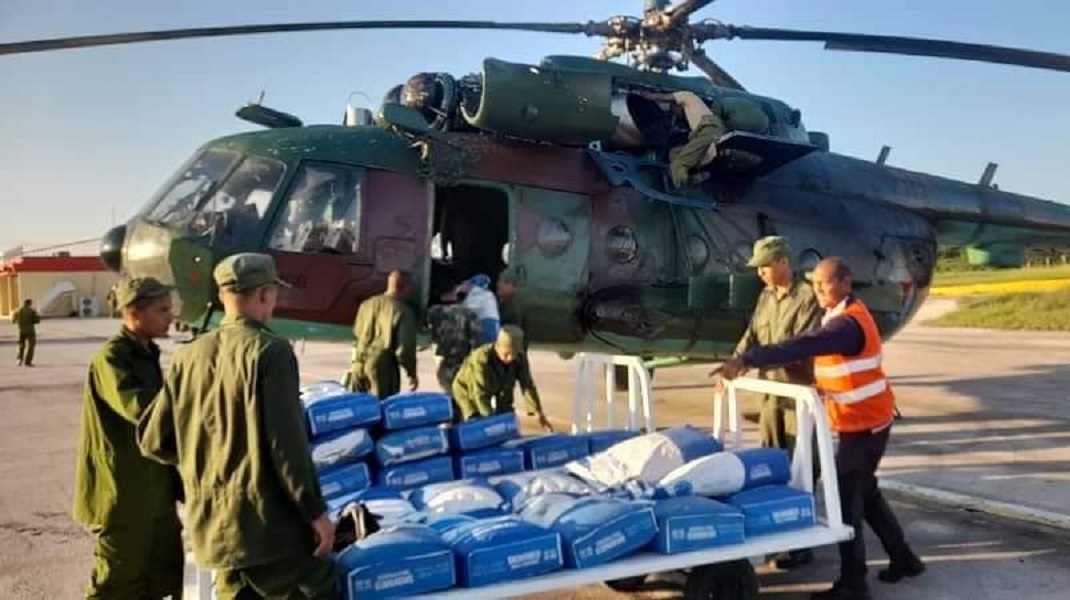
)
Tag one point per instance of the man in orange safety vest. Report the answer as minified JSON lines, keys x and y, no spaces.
{"x":861,"y":409}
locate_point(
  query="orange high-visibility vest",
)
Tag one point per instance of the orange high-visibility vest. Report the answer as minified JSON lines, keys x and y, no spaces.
{"x":857,"y":394}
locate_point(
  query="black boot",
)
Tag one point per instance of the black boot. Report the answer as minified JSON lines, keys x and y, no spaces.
{"x":839,"y":592}
{"x":911,"y":567}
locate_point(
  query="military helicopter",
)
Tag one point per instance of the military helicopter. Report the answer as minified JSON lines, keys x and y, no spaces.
{"x":558,"y":169}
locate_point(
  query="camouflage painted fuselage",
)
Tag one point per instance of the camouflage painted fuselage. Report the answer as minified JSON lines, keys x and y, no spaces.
{"x":602,"y":267}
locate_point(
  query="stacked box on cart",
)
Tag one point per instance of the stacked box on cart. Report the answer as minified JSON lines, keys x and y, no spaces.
{"x":416,"y":409}
{"x":341,"y":447}
{"x":773,"y":509}
{"x":489,"y":462}
{"x":764,"y":466}
{"x":553,"y":450}
{"x":501,"y":549}
{"x":594,"y":530}
{"x":399,"y":561}
{"x":344,"y":479}
{"x":408,"y":445}
{"x":691,"y":523}
{"x":414,"y":474}
{"x":342,"y":411}
{"x":483,"y":432}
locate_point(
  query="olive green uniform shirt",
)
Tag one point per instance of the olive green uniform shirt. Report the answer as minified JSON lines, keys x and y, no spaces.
{"x":26,"y":320}
{"x":777,"y":319}
{"x":229,"y":416}
{"x":385,"y":331}
{"x":114,"y":483}
{"x":484,"y":386}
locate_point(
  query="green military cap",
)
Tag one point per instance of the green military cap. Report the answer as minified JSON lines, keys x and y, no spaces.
{"x":131,"y":290}
{"x":511,"y":337}
{"x":509,"y":275}
{"x":769,"y":249}
{"x":247,"y":271}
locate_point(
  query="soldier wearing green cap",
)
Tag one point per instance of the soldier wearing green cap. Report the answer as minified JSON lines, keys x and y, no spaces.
{"x":126,"y":501}
{"x":230,"y":418}
{"x":485,"y":384}
{"x":786,"y":309}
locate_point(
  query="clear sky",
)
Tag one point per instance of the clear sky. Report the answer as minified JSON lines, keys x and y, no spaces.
{"x":85,"y":134}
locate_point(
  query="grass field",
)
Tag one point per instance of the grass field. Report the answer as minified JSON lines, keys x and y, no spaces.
{"x":956,"y":278}
{"x":1031,"y":311}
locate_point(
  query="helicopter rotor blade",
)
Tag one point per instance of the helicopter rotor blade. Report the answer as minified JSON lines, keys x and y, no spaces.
{"x":591,"y":28}
{"x":678,"y":13}
{"x":897,"y":45}
{"x":717,"y":75}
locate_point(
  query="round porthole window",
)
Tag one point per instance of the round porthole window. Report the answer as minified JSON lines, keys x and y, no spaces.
{"x":808,"y":259}
{"x":698,"y":251}
{"x":553,"y":237}
{"x":622,"y":245}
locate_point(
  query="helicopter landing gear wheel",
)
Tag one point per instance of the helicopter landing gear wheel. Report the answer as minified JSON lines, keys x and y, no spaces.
{"x":627,"y":585}
{"x":724,"y":581}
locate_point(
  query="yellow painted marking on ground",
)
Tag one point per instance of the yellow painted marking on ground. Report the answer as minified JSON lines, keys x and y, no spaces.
{"x":1001,"y":287}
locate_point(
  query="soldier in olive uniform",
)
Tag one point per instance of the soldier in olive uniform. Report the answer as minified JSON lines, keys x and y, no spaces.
{"x":484,"y":386}
{"x":26,"y":319}
{"x":124,"y":499}
{"x":230,"y":418}
{"x":708,"y":122}
{"x":786,"y":309}
{"x":385,"y":329}
{"x":456,"y":332}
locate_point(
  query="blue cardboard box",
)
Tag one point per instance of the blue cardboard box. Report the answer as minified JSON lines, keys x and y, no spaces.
{"x":484,"y":431}
{"x":489,"y":462}
{"x":553,"y":450}
{"x":400,"y":561}
{"x":417,"y":473}
{"x":342,"y":411}
{"x":408,"y":445}
{"x":773,"y":509}
{"x":416,"y":409}
{"x":695,"y":523}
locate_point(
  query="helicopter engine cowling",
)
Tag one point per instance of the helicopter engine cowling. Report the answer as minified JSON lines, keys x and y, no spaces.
{"x":534,"y":103}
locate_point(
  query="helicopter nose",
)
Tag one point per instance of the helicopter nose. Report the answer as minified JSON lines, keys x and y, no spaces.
{"x":111,"y":248}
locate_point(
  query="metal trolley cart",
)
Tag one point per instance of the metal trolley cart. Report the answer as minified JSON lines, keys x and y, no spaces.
{"x":724,"y":573}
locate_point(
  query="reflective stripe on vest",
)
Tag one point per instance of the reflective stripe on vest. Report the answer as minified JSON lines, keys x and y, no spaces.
{"x":858,"y":395}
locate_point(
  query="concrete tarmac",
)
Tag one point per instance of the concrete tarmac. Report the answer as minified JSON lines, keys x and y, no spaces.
{"x":982,"y":416}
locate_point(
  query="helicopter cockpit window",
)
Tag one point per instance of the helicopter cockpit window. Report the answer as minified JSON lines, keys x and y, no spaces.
{"x":179,"y":200}
{"x":243,"y":199}
{"x":321,"y":211}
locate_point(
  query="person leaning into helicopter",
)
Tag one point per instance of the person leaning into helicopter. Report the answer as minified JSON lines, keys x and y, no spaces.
{"x":707,"y":122}
{"x":125,"y":500}
{"x":484,"y":386}
{"x":385,"y":331}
